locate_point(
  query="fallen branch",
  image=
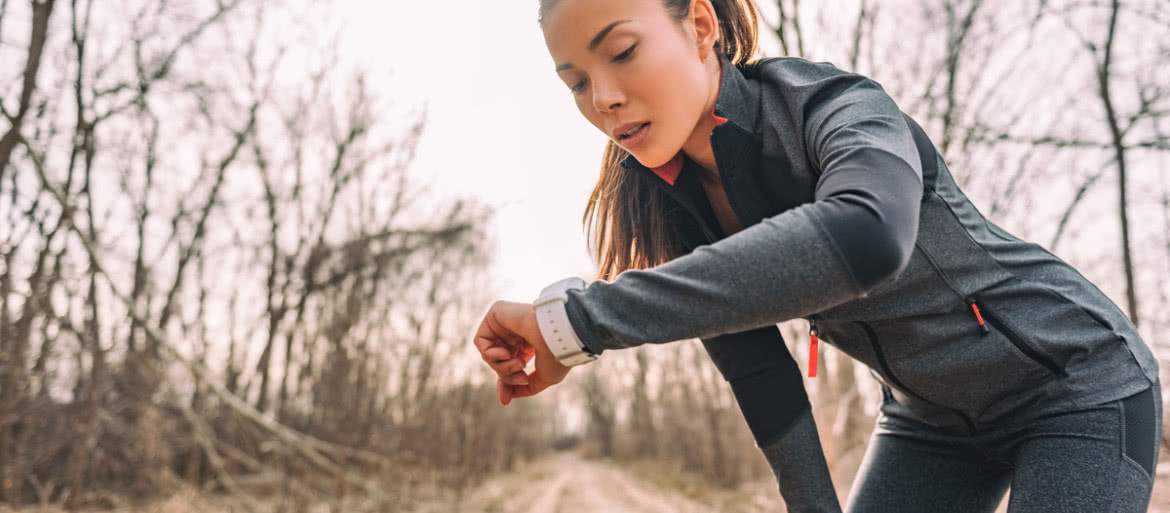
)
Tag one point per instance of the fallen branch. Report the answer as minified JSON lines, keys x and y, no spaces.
{"x":308,"y":446}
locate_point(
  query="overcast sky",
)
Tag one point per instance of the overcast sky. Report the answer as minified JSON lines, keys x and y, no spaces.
{"x":502,"y":127}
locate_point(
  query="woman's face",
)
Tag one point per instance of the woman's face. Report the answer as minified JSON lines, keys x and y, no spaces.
{"x":628,"y":63}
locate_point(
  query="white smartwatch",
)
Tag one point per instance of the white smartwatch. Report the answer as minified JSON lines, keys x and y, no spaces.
{"x":553,"y":321}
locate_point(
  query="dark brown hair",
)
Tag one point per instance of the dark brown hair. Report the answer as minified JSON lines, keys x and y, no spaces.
{"x":626,"y":218}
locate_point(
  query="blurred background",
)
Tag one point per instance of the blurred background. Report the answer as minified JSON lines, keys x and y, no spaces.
{"x":245,"y":244}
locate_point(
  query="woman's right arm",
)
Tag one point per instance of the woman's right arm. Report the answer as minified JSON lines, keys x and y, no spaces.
{"x":769,"y":389}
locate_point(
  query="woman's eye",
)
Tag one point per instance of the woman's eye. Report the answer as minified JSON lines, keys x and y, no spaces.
{"x":626,"y":54}
{"x":620,"y":57}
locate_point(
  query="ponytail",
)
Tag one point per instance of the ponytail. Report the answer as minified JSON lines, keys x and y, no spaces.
{"x":738,"y":28}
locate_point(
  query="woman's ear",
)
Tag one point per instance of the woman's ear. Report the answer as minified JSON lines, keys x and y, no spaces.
{"x":706,"y":25}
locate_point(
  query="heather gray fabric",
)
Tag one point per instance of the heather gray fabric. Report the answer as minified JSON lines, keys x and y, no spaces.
{"x":853,"y":221}
{"x":1081,"y":460}
{"x":865,"y":145}
{"x":797,"y":454}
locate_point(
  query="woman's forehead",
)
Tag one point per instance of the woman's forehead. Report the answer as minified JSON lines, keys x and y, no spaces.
{"x":575,"y":26}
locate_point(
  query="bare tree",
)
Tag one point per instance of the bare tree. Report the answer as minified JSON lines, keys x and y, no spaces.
{"x":133,"y":255}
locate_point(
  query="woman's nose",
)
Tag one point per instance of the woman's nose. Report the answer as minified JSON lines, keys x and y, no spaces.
{"x":606,"y":97}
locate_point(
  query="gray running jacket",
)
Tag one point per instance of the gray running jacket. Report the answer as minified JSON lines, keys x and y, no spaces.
{"x":853,"y":221}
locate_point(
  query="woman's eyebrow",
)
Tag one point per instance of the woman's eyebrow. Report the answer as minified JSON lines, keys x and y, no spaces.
{"x":593,"y":44}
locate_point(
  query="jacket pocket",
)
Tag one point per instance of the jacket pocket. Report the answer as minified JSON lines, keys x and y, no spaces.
{"x":1062,"y":319}
{"x":990,"y":320}
{"x":951,"y":361}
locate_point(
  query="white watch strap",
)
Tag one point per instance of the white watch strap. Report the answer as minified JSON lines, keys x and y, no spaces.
{"x":553,"y":321}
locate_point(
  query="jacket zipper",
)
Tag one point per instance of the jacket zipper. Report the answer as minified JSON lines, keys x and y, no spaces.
{"x":812,"y":348}
{"x":1013,"y":337}
{"x":869,"y":332}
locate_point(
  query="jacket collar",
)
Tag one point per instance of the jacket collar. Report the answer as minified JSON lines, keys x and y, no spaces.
{"x":736,"y":147}
{"x":736,"y":104}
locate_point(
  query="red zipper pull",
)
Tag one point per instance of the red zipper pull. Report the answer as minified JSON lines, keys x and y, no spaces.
{"x":979,"y":316}
{"x":812,"y":348}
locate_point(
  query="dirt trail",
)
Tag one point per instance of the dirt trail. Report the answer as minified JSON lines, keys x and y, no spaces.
{"x":567,"y":483}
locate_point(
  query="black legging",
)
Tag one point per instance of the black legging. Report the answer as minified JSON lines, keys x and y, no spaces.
{"x":1098,"y":459}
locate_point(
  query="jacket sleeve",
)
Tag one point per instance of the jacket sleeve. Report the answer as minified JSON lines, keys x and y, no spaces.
{"x":858,"y":233}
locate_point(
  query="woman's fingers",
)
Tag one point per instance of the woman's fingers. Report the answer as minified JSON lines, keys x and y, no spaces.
{"x":499,"y":354}
{"x":496,"y":354}
{"x":512,"y":391}
{"x":503,"y":363}
{"x":504,"y":391}
{"x":493,"y":329}
{"x":508,"y":338}
{"x":507,"y":391}
{"x":529,"y":389}
{"x":509,"y":368}
{"x":526,"y":352}
{"x":506,"y":352}
{"x":517,"y":378}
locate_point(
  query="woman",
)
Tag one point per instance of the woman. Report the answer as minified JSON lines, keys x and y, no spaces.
{"x":738,"y":194}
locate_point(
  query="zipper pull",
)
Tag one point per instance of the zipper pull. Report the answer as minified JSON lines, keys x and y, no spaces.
{"x":982,"y":325}
{"x":812,"y":348}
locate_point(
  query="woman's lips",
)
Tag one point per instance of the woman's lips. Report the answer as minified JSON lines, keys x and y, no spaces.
{"x":636,"y":138}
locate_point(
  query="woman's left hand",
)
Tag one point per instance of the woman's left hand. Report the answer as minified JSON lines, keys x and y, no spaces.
{"x":507,"y":338}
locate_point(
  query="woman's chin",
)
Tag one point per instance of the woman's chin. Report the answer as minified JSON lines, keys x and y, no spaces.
{"x":652,"y":159}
